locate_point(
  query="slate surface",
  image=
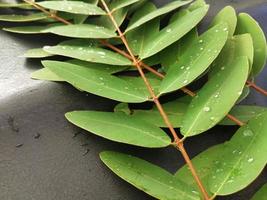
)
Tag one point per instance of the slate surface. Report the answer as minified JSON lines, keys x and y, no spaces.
{"x":40,"y":156}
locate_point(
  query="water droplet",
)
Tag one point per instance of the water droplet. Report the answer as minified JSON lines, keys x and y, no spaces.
{"x":230,"y":181}
{"x":222,"y":68}
{"x":240,"y":92}
{"x":200,"y":41}
{"x":46,"y":47}
{"x":248,"y":133}
{"x":213,"y":177}
{"x":201,"y":48}
{"x":80,"y":48}
{"x":250,"y":160}
{"x":216,"y":95}
{"x":234,"y":151}
{"x":126,"y":88}
{"x":101,"y":53}
{"x":169,"y":30}
{"x":185,"y":81}
{"x":225,"y":29}
{"x":216,"y":30}
{"x":212,"y":118}
{"x":182,"y":67}
{"x":187,"y":68}
{"x":101,"y":78}
{"x":206,"y":109}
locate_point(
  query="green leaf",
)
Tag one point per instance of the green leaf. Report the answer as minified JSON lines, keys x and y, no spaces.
{"x":147,"y":177}
{"x":116,"y":5}
{"x":173,"y":32}
{"x":243,"y":113}
{"x":45,"y":74}
{"x":140,"y":36}
{"x":242,"y":159}
{"x":245,"y":93}
{"x":120,"y":128}
{"x":15,"y":5}
{"x":261,"y":194}
{"x":36,"y":53}
{"x":216,"y":98}
{"x":172,"y":54}
{"x":227,"y":15}
{"x":76,"y":7}
{"x":246,"y":24}
{"x":88,"y":52}
{"x":96,"y":82}
{"x":196,"y":59}
{"x":23,"y":18}
{"x":26,"y":29}
{"x":144,"y":17}
{"x":238,"y":45}
{"x":203,"y":163}
{"x":81,"y":31}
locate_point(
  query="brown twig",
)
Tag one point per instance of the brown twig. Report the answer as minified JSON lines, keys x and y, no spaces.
{"x":177,"y":141}
{"x":257,"y":88}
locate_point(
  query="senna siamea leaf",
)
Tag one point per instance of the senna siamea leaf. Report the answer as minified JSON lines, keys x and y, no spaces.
{"x":120,"y":128}
{"x":144,"y":17}
{"x":81,"y":31}
{"x":216,"y":98}
{"x":116,"y":5}
{"x":15,"y":5}
{"x":147,"y":177}
{"x":96,"y":82}
{"x":88,"y":53}
{"x":76,"y":7}
{"x":245,"y":93}
{"x":196,"y":59}
{"x":139,"y":36}
{"x":171,"y":55}
{"x":242,"y":159}
{"x":243,"y":113}
{"x":173,"y":32}
{"x":203,"y":163}
{"x":36,"y":53}
{"x":45,"y":74}
{"x":227,"y":15}
{"x":238,"y":45}
{"x":261,"y":194}
{"x":23,"y":18}
{"x":246,"y":24}
{"x":26,"y":29}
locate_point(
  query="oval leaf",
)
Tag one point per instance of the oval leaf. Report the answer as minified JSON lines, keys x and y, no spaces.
{"x":45,"y":74}
{"x":242,"y":159}
{"x":116,"y":5}
{"x":23,"y":18}
{"x":88,"y":53}
{"x":81,"y":31}
{"x":36,"y":53}
{"x":173,"y":32}
{"x":150,"y":178}
{"x":96,"y":82}
{"x":144,"y":17}
{"x":246,"y":24}
{"x":76,"y":7}
{"x":120,"y":128}
{"x":216,"y":98}
{"x":196,"y":59}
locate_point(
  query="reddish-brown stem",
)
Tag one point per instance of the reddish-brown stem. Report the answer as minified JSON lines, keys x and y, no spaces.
{"x":51,"y":15}
{"x":257,"y":88}
{"x":177,"y":141}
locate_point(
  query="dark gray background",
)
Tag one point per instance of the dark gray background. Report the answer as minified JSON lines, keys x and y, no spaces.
{"x":54,"y":167}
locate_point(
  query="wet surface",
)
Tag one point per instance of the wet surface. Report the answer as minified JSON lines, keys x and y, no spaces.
{"x":44,"y":157}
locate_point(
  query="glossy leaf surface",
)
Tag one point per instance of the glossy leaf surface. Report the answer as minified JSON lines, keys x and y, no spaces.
{"x":120,"y":128}
{"x":216,"y":98}
{"x":96,"y":82}
{"x":196,"y":59}
{"x":150,"y":178}
{"x":242,"y":159}
{"x":45,"y":74}
{"x":76,"y":7}
{"x":36,"y":53}
{"x":23,"y":18}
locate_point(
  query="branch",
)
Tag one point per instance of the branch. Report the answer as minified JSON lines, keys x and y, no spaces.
{"x":257,"y":88}
{"x":177,"y":140}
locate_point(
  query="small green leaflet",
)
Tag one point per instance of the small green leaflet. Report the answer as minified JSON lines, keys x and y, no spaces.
{"x":88,"y":53}
{"x":144,"y":17}
{"x":45,"y":74}
{"x":246,"y":24}
{"x":96,"y":82}
{"x":203,"y":163}
{"x":147,"y":177}
{"x":36,"y":53}
{"x":138,"y":37}
{"x":261,"y":194}
{"x":23,"y":18}
{"x":242,"y":159}
{"x":26,"y":29}
{"x":171,"y":55}
{"x":81,"y":31}
{"x":120,"y":128}
{"x":116,"y":5}
{"x":244,"y":113}
{"x":227,"y":15}
{"x":196,"y":59}
{"x":15,"y":5}
{"x":173,"y":32}
{"x":76,"y":7}
{"x":216,"y":98}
